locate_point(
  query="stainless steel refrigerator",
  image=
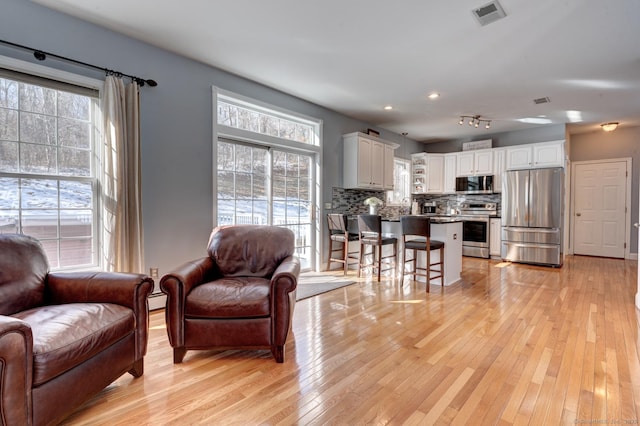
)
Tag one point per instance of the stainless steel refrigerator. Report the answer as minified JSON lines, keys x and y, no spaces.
{"x":532,"y":216}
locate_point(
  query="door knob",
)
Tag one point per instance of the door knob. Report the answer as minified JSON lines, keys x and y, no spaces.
{"x":578,"y":214}
{"x":637,"y":225}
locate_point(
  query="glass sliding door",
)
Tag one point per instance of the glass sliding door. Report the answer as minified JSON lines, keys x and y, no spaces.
{"x":262,"y":185}
{"x":291,"y":199}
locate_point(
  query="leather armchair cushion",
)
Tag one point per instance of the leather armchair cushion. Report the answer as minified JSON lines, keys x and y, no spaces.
{"x":23,"y":268}
{"x":250,"y":250}
{"x":64,"y":336}
{"x":230,"y":297}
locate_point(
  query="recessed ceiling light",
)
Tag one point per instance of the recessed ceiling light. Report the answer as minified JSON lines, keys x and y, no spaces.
{"x":388,"y":107}
{"x":434,"y":96}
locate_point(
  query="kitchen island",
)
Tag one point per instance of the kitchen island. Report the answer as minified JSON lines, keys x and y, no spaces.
{"x":442,"y":229}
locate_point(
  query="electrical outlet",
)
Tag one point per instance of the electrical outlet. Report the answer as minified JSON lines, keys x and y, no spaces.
{"x":327,"y":206}
{"x":153,"y":271}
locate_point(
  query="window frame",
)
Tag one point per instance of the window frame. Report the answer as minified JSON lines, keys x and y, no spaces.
{"x":67,"y":78}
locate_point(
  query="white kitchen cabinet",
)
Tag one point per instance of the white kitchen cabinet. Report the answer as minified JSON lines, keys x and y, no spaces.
{"x":449,"y":184}
{"x":548,"y":154}
{"x":427,"y":173}
{"x":368,"y":162}
{"x":536,"y":155}
{"x":387,"y":183}
{"x":475,"y":163}
{"x":499,"y":165}
{"x":495,"y":239}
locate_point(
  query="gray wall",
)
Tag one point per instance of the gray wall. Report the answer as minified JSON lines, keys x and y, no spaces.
{"x":621,"y":143}
{"x":176,"y":122}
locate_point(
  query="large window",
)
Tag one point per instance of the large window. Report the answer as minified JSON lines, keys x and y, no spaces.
{"x":267,"y":162}
{"x":48,"y":181}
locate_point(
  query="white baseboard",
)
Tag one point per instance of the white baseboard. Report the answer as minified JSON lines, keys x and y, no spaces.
{"x":157,"y":301}
{"x":633,"y":256}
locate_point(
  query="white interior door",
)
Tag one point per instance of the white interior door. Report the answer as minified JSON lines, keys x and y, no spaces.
{"x":599,"y":212}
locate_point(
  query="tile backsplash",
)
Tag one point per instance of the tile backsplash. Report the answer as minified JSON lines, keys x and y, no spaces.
{"x":351,"y":201}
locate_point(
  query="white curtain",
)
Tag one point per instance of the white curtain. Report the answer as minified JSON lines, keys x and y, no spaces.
{"x":121,"y":191}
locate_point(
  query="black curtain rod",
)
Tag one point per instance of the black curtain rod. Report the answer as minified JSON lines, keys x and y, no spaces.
{"x":42,"y":55}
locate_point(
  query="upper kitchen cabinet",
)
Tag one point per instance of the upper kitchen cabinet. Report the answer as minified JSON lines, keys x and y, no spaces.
{"x":499,"y":165}
{"x":427,"y":173}
{"x":475,"y":163}
{"x":449,"y":185}
{"x":537,"y":155}
{"x":368,"y":162}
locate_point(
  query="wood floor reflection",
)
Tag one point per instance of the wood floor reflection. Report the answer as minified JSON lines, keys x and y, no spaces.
{"x":509,"y":344}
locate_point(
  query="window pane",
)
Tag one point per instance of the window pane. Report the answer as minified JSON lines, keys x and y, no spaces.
{"x":226,"y":210}
{"x":37,"y":99}
{"x":76,"y":195}
{"x":244,"y":160}
{"x":8,"y":124}
{"x":74,"y":133}
{"x":9,"y":195}
{"x":243,"y":185}
{"x":75,"y":106}
{"x":8,"y":156}
{"x":76,"y":252}
{"x":37,"y":128}
{"x":41,"y":224}
{"x":225,"y":156}
{"x":40,"y":194}
{"x":75,"y":162}
{"x":38,"y":159}
{"x":226,"y":185}
{"x":76,"y":223}
{"x":8,"y":93}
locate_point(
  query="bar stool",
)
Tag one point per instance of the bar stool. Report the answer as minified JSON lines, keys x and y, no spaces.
{"x":339,"y":233}
{"x":420,"y":226}
{"x":370,"y":232}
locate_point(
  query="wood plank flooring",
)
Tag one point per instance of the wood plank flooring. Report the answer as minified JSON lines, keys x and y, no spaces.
{"x":508,"y":345}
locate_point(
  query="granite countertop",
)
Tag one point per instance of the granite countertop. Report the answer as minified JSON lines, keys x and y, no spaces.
{"x":434,"y":220}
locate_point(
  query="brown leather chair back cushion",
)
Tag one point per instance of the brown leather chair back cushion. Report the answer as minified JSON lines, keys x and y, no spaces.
{"x":23,"y":269}
{"x":250,"y":250}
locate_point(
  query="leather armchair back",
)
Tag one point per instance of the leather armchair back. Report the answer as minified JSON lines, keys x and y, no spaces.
{"x":23,"y":270}
{"x":249,"y":250}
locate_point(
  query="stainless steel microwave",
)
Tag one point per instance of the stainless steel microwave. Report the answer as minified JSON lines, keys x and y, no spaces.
{"x":474,"y":184}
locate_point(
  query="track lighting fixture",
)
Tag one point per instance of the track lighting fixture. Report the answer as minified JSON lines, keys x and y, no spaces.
{"x":475,"y":120}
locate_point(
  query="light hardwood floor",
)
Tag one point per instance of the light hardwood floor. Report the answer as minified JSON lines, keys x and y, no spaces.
{"x":507,"y":345}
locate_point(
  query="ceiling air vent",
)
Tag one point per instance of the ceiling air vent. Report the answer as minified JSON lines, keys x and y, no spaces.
{"x":542,"y":100}
{"x":489,"y":13}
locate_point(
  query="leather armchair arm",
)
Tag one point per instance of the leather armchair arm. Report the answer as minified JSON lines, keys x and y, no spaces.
{"x":283,"y":297}
{"x":285,"y":277}
{"x":176,"y":285}
{"x":99,"y":287}
{"x":126,"y":289}
{"x":16,"y":361}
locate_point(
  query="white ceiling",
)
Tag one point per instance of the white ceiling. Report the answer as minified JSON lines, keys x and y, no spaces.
{"x":356,"y":56}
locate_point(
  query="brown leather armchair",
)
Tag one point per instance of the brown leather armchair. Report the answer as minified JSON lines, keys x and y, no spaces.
{"x":63,"y":336}
{"x":241,"y":295}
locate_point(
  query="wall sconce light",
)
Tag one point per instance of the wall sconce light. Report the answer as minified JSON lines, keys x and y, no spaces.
{"x":475,"y":120}
{"x":609,"y":127}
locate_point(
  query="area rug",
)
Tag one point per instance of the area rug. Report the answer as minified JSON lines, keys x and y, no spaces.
{"x":312,"y":284}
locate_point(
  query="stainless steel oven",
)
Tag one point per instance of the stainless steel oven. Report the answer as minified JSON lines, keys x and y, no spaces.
{"x":475,"y":228}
